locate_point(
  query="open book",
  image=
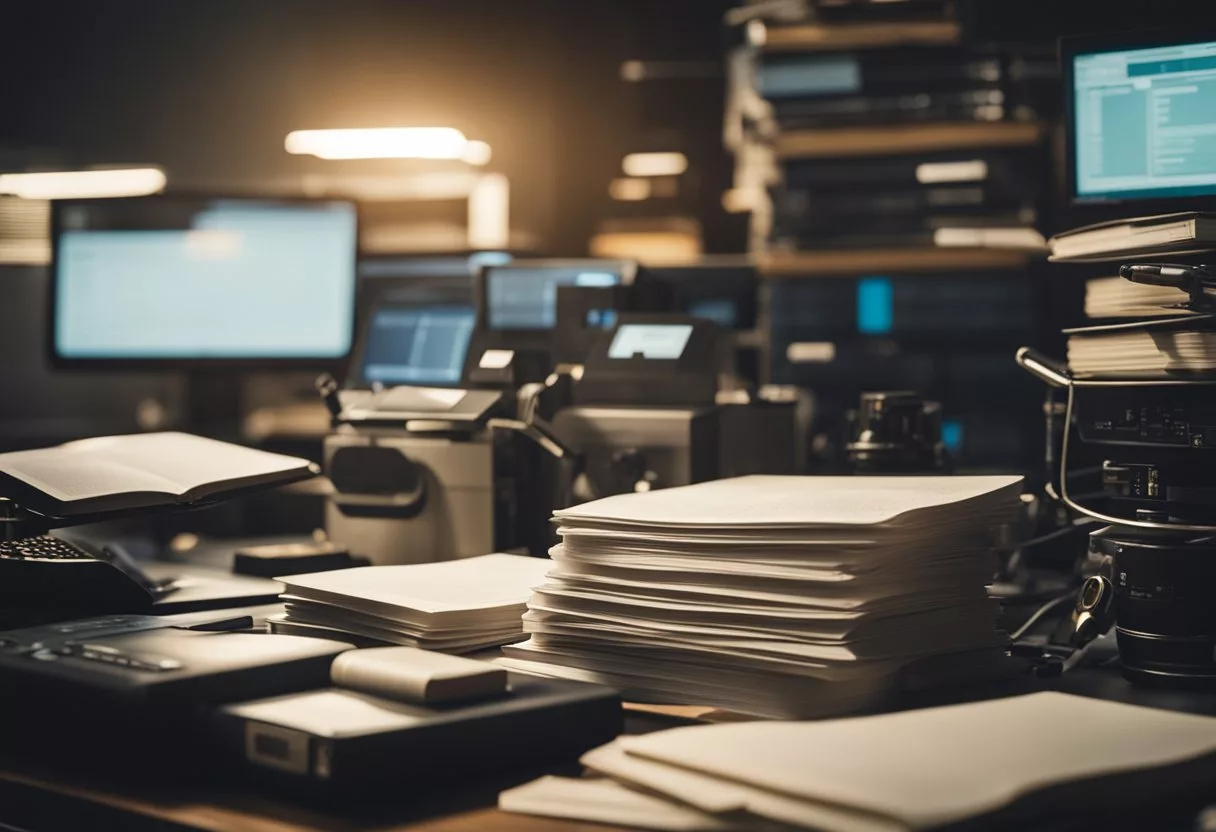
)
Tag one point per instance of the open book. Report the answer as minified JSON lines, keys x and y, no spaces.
{"x":150,"y":470}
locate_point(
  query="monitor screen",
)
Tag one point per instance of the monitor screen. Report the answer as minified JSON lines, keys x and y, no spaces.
{"x":525,"y":297}
{"x":410,"y":345}
{"x":455,"y":267}
{"x":653,"y":341}
{"x":1144,"y":122}
{"x":167,"y":278}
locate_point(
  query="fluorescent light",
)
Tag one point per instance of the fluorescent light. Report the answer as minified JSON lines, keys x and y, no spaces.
{"x":811,"y":352}
{"x":629,"y":189}
{"x":932,"y":173}
{"x":489,"y":213}
{"x":654,"y":164}
{"x":476,"y":153}
{"x":83,"y":184}
{"x":388,"y":143}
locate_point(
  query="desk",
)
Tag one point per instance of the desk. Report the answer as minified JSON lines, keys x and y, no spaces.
{"x":38,"y":797}
{"x":34,"y":799}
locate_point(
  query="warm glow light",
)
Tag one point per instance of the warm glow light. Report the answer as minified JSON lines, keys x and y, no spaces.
{"x":388,"y":143}
{"x":654,"y":164}
{"x":83,"y":184}
{"x":476,"y":153}
{"x":489,"y":213}
{"x":626,"y":189}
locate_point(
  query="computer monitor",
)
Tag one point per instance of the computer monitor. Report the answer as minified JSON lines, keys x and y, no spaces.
{"x":522,"y":296}
{"x":429,"y":268}
{"x":719,"y":289}
{"x":194,"y":282}
{"x":404,"y":343}
{"x":1141,"y":120}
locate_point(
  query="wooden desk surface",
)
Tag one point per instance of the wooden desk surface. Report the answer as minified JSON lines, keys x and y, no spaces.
{"x":32,"y":798}
{"x":41,"y":795}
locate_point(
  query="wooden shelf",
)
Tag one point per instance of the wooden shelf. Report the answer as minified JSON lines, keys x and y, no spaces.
{"x":841,"y":142}
{"x":813,"y":38}
{"x":852,"y":262}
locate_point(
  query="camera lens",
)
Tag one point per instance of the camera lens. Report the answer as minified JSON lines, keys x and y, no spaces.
{"x":1165,"y":618}
{"x":896,"y":432}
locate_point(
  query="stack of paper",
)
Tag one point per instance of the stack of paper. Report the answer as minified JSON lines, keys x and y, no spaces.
{"x":1142,"y":352}
{"x":775,"y":596}
{"x":1114,"y":297}
{"x":455,"y":606}
{"x":1010,"y":762}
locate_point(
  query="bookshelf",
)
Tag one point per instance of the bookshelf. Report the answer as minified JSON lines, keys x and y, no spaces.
{"x":817,"y":38}
{"x":852,"y":262}
{"x":890,"y":140}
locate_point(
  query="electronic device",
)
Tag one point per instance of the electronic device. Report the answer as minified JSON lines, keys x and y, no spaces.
{"x":896,"y":432}
{"x":210,"y":285}
{"x":341,"y":742}
{"x":1149,"y":437}
{"x":411,"y":344}
{"x":132,"y":664}
{"x":45,"y":578}
{"x":430,"y":469}
{"x":1136,"y":109}
{"x":522,"y":295}
{"x":272,"y":560}
{"x":550,"y":312}
{"x":252,"y":280}
{"x":724,"y":292}
{"x":646,"y":414}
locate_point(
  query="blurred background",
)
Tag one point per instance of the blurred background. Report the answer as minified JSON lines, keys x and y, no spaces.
{"x":881,"y":174}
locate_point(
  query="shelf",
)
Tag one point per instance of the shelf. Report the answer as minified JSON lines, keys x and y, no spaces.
{"x":852,"y":262}
{"x":883,"y":140}
{"x":812,"y":38}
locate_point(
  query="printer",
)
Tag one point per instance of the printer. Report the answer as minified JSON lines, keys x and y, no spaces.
{"x":440,"y":451}
{"x":647,"y":412}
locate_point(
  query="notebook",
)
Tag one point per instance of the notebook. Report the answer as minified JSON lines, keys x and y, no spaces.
{"x":1137,"y":237}
{"x":119,"y":473}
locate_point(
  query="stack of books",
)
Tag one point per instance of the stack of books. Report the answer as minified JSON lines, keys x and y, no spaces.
{"x":1141,"y":328}
{"x":774,"y":596}
{"x":892,"y":134}
{"x":459,"y":606}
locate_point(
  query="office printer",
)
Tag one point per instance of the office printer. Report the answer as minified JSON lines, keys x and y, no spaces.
{"x":647,"y":412}
{"x":459,"y":463}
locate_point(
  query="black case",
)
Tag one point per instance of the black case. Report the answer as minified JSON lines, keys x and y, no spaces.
{"x":539,"y":721}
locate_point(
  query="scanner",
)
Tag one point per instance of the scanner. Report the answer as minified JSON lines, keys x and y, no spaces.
{"x":647,"y":412}
{"x":432,"y":470}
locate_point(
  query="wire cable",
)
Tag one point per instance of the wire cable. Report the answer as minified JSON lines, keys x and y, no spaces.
{"x":1039,"y":615}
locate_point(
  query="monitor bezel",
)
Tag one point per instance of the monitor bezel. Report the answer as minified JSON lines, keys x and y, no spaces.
{"x":1093,"y":208}
{"x":628,"y":270}
{"x":247,"y":363}
{"x":356,"y":378}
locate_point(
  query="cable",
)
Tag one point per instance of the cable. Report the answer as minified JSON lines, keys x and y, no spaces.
{"x":1038,"y":616}
{"x":1044,"y":538}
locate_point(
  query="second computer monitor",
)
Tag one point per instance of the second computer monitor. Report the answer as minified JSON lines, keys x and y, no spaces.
{"x":404,"y":343}
{"x":1142,"y":119}
{"x":522,"y":296}
{"x":180,"y":281}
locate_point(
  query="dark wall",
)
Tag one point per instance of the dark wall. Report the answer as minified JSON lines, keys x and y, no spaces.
{"x":209,"y":89}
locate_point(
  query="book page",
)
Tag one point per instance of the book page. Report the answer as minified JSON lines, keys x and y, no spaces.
{"x":188,"y":462}
{"x":70,"y":478}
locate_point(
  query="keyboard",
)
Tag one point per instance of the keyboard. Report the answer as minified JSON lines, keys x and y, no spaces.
{"x":43,"y":548}
{"x":46,"y":579}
